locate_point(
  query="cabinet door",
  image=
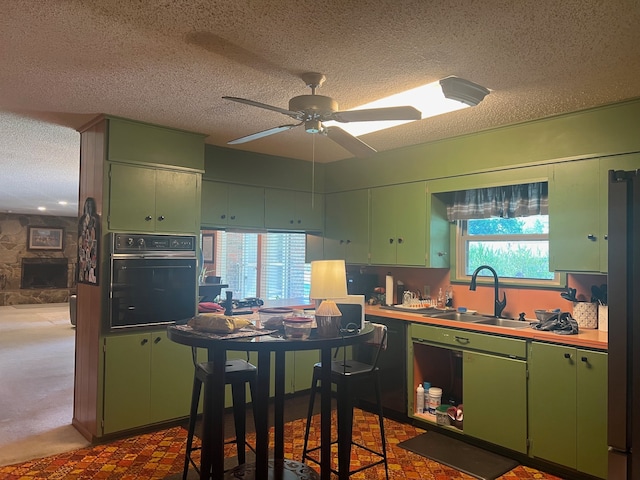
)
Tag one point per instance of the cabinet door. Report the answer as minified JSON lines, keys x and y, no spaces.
{"x":384,"y":209}
{"x":289,"y":210}
{"x":347,"y":227}
{"x":132,"y":198}
{"x":214,"y":203}
{"x":246,"y":206}
{"x":438,"y":233}
{"x":171,"y":378}
{"x":552,"y":403}
{"x":630,"y":161}
{"x":574,"y":222}
{"x":127,"y":362}
{"x":411,"y":224}
{"x":177,"y":202}
{"x":495,"y":404}
{"x":591,"y":433}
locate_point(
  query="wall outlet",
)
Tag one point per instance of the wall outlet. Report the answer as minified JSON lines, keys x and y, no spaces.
{"x":426,"y":291}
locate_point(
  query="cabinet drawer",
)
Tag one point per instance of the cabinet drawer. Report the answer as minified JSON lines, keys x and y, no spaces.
{"x":463,"y":339}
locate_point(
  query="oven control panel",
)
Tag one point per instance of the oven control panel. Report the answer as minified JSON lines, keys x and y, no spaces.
{"x":142,"y":242}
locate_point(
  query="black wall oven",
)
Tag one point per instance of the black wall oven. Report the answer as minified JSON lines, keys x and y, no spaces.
{"x":153,"y":279}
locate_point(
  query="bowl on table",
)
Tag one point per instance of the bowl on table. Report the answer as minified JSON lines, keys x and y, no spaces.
{"x":298,"y":327}
{"x":544,"y":315}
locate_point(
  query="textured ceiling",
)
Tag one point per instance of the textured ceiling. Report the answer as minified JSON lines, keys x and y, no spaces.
{"x":169,"y":62}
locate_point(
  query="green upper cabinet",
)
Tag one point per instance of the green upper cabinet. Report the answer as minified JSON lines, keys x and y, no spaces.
{"x":145,"y":199}
{"x":574,"y":223}
{"x":578,"y":212}
{"x":399,"y":224}
{"x":133,"y":142}
{"x":630,"y":161}
{"x":438,"y":232}
{"x":230,"y":205}
{"x":568,"y":407}
{"x":347,"y":226}
{"x":291,"y":210}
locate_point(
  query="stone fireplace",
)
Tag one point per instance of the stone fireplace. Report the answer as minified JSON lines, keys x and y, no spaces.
{"x":44,"y":273}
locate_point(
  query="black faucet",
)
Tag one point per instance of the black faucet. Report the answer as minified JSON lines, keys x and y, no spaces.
{"x":498,"y":305}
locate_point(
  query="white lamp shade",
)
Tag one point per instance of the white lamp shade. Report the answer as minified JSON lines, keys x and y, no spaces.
{"x":328,"y":279}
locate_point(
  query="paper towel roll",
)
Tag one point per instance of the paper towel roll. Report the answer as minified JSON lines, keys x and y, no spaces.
{"x":389,"y":289}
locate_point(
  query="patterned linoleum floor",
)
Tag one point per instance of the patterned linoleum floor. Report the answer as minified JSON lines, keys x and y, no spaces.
{"x":160,"y":455}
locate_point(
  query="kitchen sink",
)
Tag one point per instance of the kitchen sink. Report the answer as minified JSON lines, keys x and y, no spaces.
{"x":503,"y":322}
{"x":460,"y":317}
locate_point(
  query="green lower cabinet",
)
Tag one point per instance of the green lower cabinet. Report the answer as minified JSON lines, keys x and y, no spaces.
{"x":304,"y":360}
{"x":495,"y":399}
{"x":147,"y":379}
{"x":568,"y":407}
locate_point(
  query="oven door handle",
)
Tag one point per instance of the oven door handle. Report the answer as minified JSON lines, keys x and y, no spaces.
{"x":155,"y":267}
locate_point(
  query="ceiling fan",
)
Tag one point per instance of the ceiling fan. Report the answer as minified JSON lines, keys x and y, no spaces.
{"x":312,"y":110}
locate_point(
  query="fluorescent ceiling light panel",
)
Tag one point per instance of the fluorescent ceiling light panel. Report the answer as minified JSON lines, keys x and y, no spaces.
{"x":429,"y":99}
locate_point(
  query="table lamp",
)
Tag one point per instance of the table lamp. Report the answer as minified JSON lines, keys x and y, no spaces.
{"x":328,"y":281}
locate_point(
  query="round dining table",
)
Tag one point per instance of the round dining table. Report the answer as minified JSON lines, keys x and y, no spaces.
{"x":277,"y":467}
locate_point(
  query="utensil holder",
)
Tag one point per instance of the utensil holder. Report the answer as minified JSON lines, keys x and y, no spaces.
{"x":586,"y":314}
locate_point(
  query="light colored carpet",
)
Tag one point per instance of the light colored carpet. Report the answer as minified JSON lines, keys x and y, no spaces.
{"x":36,"y":378}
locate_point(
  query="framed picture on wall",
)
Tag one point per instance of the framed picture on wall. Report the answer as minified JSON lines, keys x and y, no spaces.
{"x":45,"y":238}
{"x":207,"y":248}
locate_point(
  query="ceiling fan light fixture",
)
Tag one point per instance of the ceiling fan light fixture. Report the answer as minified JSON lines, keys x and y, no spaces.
{"x":313,"y":126}
{"x":462,"y":90}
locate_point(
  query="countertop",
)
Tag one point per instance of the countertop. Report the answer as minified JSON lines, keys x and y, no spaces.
{"x":589,"y":338}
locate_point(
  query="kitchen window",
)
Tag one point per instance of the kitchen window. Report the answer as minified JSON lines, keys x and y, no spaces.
{"x":270,"y":266}
{"x":506,"y":228}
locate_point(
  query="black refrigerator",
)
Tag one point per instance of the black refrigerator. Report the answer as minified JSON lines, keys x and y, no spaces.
{"x":624,"y":325}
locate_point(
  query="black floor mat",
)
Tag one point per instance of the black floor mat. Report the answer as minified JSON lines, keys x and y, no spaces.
{"x":456,"y":454}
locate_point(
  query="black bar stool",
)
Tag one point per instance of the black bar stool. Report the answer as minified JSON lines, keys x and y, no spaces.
{"x":349,"y":376}
{"x":237,"y":373}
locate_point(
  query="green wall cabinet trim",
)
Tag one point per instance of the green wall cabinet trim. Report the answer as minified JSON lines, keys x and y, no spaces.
{"x":568,"y":407}
{"x":230,"y":205}
{"x":347,"y":226}
{"x":293,"y":211}
{"x":399,"y":225}
{"x":153,"y":200}
{"x":239,"y":166}
{"x":495,"y":399}
{"x":513,"y":176}
{"x":130,"y":141}
{"x":147,"y":379}
{"x":590,"y":133}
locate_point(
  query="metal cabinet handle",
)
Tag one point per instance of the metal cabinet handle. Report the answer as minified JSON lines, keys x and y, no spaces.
{"x":223,"y":216}
{"x":348,"y":241}
{"x":161,"y":218}
{"x":585,"y":360}
{"x":591,"y":237}
{"x":390,"y":240}
{"x":291,"y":221}
{"x":464,"y":340}
{"x":442,"y":254}
{"x":567,"y":355}
{"x":148,"y":218}
{"x":157,"y":340}
{"x":233,"y":217}
{"x":606,"y":236}
{"x":400,"y":240}
{"x":144,"y":341}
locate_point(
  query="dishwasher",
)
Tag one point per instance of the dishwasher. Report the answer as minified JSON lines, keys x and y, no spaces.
{"x":393,"y":370}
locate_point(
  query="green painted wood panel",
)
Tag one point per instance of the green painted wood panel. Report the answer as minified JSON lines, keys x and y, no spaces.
{"x":177,"y":202}
{"x":171,"y":382}
{"x":591,"y":433}
{"x":130,"y":141}
{"x":384,"y":211}
{"x":132,"y":199}
{"x":127,"y":362}
{"x":246,"y":206}
{"x":438,"y":233}
{"x":294,"y":211}
{"x":574,"y":216}
{"x":552,"y":403}
{"x":347,"y":226}
{"x":495,"y":399}
{"x":214,"y":203}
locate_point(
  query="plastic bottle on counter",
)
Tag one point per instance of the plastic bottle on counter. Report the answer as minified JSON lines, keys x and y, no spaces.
{"x":420,"y":399}
{"x":440,"y":301}
{"x":389,"y":289}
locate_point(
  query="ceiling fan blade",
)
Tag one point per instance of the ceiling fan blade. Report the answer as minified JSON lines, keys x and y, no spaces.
{"x":377,"y":114}
{"x":296,"y":115}
{"x":264,"y":133}
{"x":349,"y":142}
